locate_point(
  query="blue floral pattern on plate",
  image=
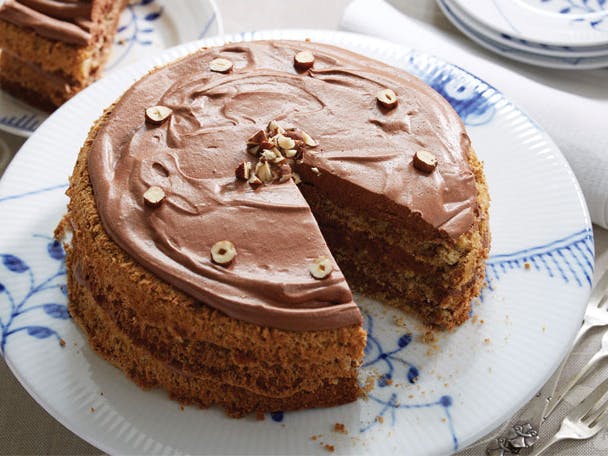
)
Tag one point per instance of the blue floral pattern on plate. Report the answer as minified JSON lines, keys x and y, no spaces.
{"x":593,"y":9}
{"x":40,"y":293}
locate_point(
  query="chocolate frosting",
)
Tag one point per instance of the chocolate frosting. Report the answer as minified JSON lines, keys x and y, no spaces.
{"x":362,"y":151}
{"x":50,"y":18}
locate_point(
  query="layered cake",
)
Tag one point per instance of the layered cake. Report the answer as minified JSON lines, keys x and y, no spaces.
{"x":224,"y":207}
{"x":52,"y":49}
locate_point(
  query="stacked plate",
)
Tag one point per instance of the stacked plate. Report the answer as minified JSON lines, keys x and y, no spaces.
{"x":569,"y":34}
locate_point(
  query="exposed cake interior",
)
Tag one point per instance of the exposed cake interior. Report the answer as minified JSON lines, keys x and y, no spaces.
{"x":400,"y":260}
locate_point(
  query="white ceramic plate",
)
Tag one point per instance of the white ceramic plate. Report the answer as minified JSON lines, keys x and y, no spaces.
{"x":510,"y":41}
{"x":551,"y":22}
{"x":146,"y":27}
{"x":505,"y":48}
{"x":440,"y":397}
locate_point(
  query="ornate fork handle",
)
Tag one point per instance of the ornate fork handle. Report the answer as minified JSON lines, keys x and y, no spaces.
{"x":520,"y":436}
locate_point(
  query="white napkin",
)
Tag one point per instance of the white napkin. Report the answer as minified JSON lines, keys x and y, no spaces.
{"x":572,"y":106}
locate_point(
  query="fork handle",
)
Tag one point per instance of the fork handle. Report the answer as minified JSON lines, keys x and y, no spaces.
{"x":556,"y":438}
{"x":573,"y":381}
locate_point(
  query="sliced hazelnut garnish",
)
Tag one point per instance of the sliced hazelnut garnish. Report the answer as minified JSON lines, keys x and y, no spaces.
{"x":243,"y":171}
{"x":223,"y":252}
{"x":315,"y":170}
{"x":290,"y":153}
{"x":285,"y":143}
{"x":258,"y":138}
{"x":294,"y":134}
{"x":268,"y":155}
{"x":154,"y":196}
{"x":220,"y":65}
{"x":267,"y":145}
{"x":255,"y":181}
{"x":308,"y":140}
{"x":284,"y":173}
{"x":156,"y":115}
{"x":274,"y":128}
{"x":321,"y":267}
{"x":304,"y":60}
{"x":387,"y":98}
{"x":425,"y":161}
{"x":296,"y":178}
{"x":263,"y":171}
{"x":279,"y":160}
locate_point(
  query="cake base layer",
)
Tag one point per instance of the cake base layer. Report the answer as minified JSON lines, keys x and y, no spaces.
{"x":146,"y":370}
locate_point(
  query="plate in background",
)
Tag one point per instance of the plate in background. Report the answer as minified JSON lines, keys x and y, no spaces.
{"x":146,"y":27}
{"x":575,"y":23}
{"x":506,"y":49}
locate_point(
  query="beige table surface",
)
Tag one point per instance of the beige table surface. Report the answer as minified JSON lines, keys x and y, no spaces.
{"x":25,"y":428}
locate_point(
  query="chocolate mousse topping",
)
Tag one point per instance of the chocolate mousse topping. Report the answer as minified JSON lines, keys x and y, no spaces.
{"x":359,"y":146}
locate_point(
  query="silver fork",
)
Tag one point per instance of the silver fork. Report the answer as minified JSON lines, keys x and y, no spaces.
{"x":525,"y":433}
{"x":596,"y":315}
{"x":585,"y":420}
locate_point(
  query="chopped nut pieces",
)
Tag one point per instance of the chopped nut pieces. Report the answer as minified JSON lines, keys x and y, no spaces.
{"x":304,"y":60}
{"x":220,"y":65}
{"x":263,"y":171}
{"x":284,"y":173}
{"x":285,"y":142}
{"x":276,"y":149}
{"x":274,"y":128}
{"x":387,"y":98}
{"x":315,"y":170}
{"x":254,"y":181}
{"x":321,"y":267}
{"x":223,"y":252}
{"x":308,"y":140}
{"x":154,"y":196}
{"x":257,"y":139}
{"x":425,"y":161}
{"x":296,"y":178}
{"x":243,"y":171}
{"x":268,"y":155}
{"x":156,"y":115}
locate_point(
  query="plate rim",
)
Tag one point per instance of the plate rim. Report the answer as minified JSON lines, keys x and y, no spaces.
{"x":586,"y":41}
{"x":518,"y":44}
{"x":301,"y":34}
{"x":524,"y":56}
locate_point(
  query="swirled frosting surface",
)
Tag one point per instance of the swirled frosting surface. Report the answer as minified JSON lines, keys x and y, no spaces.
{"x":62,"y":20}
{"x":363,"y":151}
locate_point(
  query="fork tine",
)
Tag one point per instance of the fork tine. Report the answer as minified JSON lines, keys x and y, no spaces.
{"x":587,"y":404}
{"x":601,"y":421}
{"x":600,"y":290}
{"x":595,"y":413}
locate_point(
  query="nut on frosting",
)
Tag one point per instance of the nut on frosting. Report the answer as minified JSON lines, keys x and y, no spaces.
{"x":223,"y":252}
{"x":156,"y":115}
{"x":321,"y":267}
